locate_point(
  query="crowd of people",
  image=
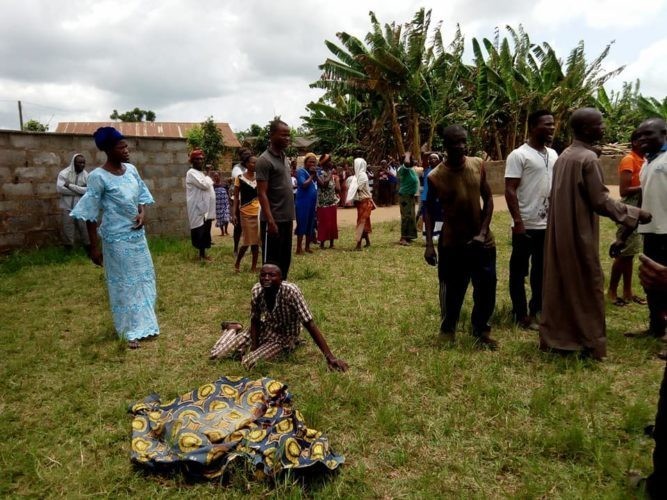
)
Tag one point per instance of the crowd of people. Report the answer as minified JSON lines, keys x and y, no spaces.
{"x":554,"y":201}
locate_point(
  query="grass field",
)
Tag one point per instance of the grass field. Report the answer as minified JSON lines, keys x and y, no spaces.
{"x":414,"y":418}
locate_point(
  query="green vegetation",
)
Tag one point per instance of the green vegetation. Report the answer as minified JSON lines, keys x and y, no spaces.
{"x":208,"y":138}
{"x":393,"y":90}
{"x":413,"y":418}
{"x":256,"y":138}
{"x":134,"y":115}
{"x":35,"y":126}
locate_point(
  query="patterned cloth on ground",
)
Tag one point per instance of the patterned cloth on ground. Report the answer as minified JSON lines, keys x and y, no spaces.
{"x":209,"y":427}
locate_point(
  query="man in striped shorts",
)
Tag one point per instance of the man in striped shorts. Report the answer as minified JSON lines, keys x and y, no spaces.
{"x":277,"y":311}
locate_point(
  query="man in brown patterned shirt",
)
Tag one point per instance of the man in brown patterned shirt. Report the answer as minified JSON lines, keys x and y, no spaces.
{"x":277,"y":311}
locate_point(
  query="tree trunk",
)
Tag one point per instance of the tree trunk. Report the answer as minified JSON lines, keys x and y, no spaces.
{"x":499,"y":150}
{"x":395,"y":127}
{"x":512,"y":144}
{"x":431,"y":135}
{"x":416,"y":139}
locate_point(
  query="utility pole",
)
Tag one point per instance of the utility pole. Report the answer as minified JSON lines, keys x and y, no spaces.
{"x":20,"y":115}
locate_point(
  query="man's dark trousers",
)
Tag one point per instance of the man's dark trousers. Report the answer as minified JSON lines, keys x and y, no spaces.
{"x":527,"y":251}
{"x":277,"y":248}
{"x":655,"y":247}
{"x":457,"y":266}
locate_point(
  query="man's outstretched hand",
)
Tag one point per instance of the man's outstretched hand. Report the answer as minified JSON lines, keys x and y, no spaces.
{"x":337,"y":364}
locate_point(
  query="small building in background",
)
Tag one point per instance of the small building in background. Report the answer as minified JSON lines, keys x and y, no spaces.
{"x":165,"y":130}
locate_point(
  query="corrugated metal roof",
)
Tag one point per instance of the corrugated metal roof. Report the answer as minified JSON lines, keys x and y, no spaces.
{"x":147,"y":129}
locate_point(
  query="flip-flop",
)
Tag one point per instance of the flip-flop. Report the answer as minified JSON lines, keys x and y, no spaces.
{"x":638,"y":300}
{"x":225,"y":325}
{"x":619,"y":302}
{"x":638,"y":335}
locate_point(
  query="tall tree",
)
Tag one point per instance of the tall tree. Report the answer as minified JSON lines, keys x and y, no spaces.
{"x":516,"y":77}
{"x":257,"y":138}
{"x":652,"y":107}
{"x":621,"y":111}
{"x":208,"y":138}
{"x":403,"y":75}
{"x":134,"y":115}
{"x":357,"y":72}
{"x":392,"y":91}
{"x":35,"y":126}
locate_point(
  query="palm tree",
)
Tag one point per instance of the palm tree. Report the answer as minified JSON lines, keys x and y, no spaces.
{"x":358,"y":72}
{"x":517,"y":77}
{"x":401,"y":83}
{"x":621,"y":111}
{"x":416,"y":80}
{"x":652,"y":107}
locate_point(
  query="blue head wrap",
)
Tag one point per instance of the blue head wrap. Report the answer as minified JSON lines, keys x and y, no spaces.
{"x":106,"y":138}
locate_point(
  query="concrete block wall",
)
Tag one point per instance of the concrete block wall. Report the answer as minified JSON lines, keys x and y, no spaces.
{"x":495,"y":173}
{"x":30,"y":163}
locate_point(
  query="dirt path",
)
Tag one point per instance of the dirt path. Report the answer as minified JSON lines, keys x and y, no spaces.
{"x":348,"y":216}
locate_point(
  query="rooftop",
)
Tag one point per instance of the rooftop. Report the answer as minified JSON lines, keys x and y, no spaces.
{"x":176,"y":130}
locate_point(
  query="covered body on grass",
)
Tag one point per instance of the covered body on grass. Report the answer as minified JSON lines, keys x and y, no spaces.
{"x":232,"y":418}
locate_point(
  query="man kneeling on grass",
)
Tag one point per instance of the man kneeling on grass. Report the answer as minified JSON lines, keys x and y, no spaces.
{"x":277,"y":310}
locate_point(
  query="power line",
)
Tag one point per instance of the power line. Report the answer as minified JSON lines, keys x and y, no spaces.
{"x":38,"y":105}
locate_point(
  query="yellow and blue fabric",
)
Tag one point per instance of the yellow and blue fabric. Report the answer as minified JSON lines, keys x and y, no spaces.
{"x":207,"y":428}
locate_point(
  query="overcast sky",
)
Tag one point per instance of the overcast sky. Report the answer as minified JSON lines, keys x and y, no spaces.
{"x":245,"y":61}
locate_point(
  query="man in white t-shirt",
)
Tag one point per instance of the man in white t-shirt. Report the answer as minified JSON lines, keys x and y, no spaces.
{"x":528,"y":174}
{"x":652,"y":139}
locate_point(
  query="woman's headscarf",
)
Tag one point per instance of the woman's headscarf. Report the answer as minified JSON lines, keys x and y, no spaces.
{"x":106,"y":138}
{"x":309,"y":155}
{"x":324,"y":159}
{"x":360,"y":170}
{"x":196,"y":153}
{"x":70,"y":171}
{"x":358,"y":179}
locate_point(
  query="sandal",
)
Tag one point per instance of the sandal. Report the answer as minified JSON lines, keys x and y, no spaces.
{"x":638,"y":335}
{"x":133,"y":344}
{"x":227,"y":325}
{"x":638,"y":300}
{"x":619,"y":302}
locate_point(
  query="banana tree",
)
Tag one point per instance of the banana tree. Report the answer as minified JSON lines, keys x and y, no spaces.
{"x":652,"y":107}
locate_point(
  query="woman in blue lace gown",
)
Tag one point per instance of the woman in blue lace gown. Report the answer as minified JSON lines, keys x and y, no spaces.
{"x":118,"y":195}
